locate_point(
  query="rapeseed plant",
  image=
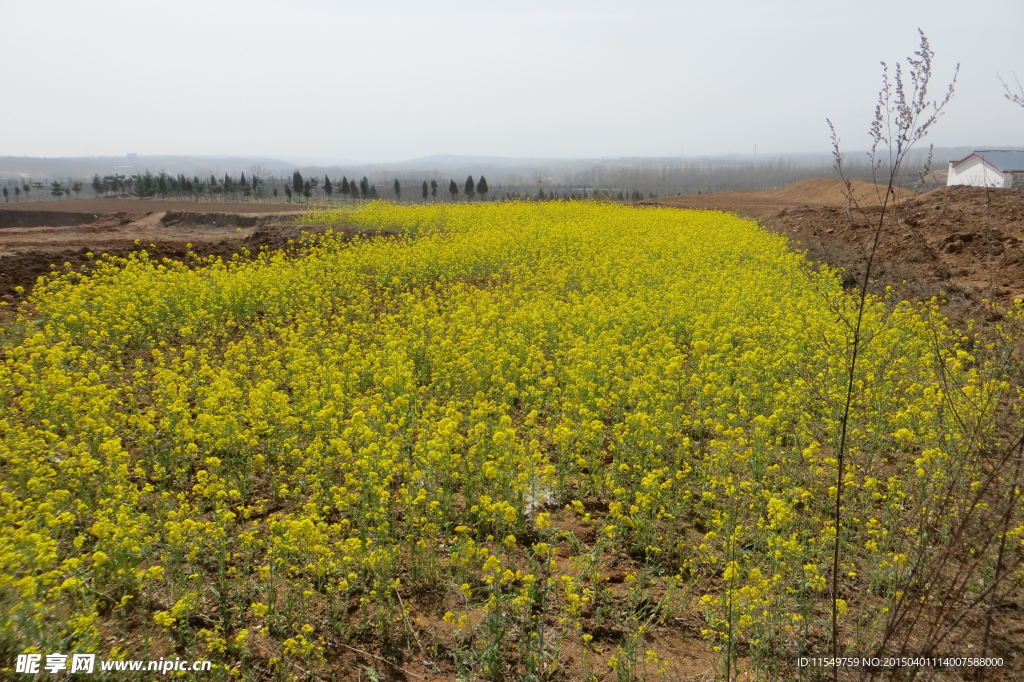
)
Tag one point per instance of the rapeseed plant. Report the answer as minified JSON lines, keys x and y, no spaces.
{"x":250,"y":456}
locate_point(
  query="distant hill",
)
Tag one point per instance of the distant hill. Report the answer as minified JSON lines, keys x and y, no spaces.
{"x":507,"y":176}
{"x":129,"y":164}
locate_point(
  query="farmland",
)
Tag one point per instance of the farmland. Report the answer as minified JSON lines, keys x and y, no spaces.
{"x":962,"y":244}
{"x":516,"y":440}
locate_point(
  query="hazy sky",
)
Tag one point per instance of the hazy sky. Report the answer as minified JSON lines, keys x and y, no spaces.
{"x":319,"y":79}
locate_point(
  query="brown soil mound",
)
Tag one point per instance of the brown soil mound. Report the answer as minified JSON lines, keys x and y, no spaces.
{"x":963,"y":243}
{"x":22,"y":230}
{"x":23,"y":218}
{"x":33,"y":240}
{"x":833,"y":192}
{"x":22,"y":267}
{"x":194,"y":219}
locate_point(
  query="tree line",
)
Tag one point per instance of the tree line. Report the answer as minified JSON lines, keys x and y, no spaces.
{"x":297,"y":188}
{"x":55,"y":188}
{"x":364,"y":189}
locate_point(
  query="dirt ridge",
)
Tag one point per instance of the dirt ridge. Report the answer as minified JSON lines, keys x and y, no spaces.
{"x":44,"y":218}
{"x":33,"y":240}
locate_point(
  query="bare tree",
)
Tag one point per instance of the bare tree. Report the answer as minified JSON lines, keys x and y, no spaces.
{"x":1015,"y":95}
{"x":903,"y":116}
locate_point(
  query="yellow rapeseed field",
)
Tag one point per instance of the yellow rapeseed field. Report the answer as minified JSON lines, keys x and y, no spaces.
{"x":520,"y":440}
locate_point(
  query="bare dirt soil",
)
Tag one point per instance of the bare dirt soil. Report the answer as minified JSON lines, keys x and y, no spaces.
{"x":37,"y":235}
{"x":762,"y":204}
{"x":964,"y":244}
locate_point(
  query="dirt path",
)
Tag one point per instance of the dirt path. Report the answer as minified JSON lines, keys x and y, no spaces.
{"x":119,"y":230}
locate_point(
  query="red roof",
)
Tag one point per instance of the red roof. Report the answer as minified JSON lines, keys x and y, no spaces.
{"x":1003,"y":160}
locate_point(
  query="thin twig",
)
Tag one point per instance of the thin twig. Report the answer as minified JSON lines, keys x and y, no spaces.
{"x":914,"y":115}
{"x":405,"y":617}
{"x":383,"y":660}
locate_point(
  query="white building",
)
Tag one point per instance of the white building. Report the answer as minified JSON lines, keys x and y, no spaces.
{"x":988,"y":168}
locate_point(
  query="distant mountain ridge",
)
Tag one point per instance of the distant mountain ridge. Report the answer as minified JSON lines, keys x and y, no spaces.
{"x":515,"y":176}
{"x":129,"y":164}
